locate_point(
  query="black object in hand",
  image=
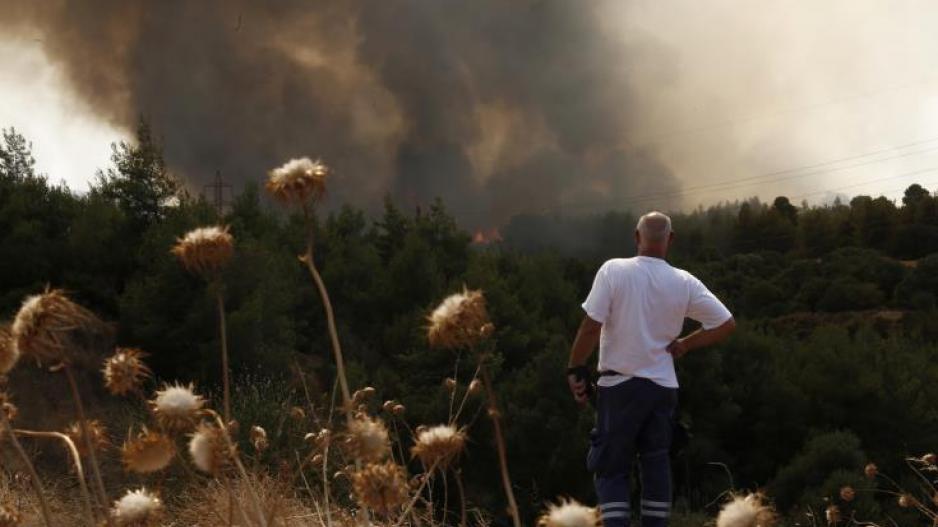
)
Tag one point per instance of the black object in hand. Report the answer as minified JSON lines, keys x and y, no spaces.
{"x":582,"y":374}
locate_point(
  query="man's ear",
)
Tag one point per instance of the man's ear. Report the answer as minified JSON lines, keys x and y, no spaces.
{"x":638,"y":239}
{"x":670,"y":238}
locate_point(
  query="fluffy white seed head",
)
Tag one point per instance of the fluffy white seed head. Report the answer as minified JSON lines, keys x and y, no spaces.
{"x":177,"y":407}
{"x":137,"y":508}
{"x":569,"y":513}
{"x":746,"y":511}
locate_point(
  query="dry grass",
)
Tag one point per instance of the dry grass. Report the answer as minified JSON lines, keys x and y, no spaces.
{"x":208,"y":505}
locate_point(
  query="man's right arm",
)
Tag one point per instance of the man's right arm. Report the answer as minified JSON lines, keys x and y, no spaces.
{"x":587,"y":337}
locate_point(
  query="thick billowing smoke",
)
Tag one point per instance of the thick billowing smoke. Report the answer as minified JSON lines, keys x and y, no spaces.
{"x":503,"y":107}
{"x":497,"y":107}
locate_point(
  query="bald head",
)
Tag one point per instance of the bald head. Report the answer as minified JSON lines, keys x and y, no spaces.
{"x":653,"y":234}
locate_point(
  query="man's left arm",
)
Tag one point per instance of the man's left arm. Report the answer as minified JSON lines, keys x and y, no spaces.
{"x":717,"y":321}
{"x":701,"y":338}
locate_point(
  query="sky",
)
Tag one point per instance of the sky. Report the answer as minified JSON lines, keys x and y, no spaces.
{"x":69,"y":141}
{"x":712,"y":101}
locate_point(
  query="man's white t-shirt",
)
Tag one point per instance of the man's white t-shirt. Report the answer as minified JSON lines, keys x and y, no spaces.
{"x":642,"y":303}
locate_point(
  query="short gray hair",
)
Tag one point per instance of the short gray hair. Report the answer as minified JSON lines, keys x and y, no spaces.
{"x":654,"y":227}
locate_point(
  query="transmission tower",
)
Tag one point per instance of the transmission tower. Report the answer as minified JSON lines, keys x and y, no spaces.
{"x":218,"y":187}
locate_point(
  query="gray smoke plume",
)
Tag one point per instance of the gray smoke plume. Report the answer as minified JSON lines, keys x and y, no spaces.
{"x":496,"y":107}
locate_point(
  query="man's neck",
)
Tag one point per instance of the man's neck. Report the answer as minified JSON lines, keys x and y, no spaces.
{"x":653,"y":254}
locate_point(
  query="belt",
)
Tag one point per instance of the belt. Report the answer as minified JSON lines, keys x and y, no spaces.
{"x":609,"y":373}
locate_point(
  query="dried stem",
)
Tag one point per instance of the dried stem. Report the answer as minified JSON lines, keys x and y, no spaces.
{"x":462,"y":498}
{"x":233,"y":454}
{"x":423,"y":483}
{"x":307,"y":258}
{"x":225,"y":376}
{"x":462,"y":404}
{"x":223,"y":334}
{"x":86,"y":436}
{"x":33,"y":476}
{"x":500,"y":445}
{"x":76,"y":459}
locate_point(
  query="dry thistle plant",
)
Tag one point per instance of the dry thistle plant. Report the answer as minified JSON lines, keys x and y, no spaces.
{"x":176,"y":408}
{"x":147,"y":451}
{"x":125,"y":372}
{"x":9,"y":353}
{"x":9,"y":516}
{"x":96,"y":430}
{"x":367,"y":439}
{"x":258,"y":438}
{"x":46,"y":325}
{"x":302,"y":182}
{"x":439,"y":445}
{"x":569,"y":513}
{"x":137,"y":508}
{"x":381,"y":487}
{"x":49,"y":328}
{"x":750,"y":510}
{"x":298,"y":181}
{"x":208,"y":449}
{"x":460,"y":321}
{"x":205,"y":250}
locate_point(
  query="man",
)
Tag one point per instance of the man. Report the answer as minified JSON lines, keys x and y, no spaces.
{"x":636,"y":311}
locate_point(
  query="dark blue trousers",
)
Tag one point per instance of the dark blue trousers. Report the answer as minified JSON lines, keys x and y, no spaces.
{"x":634,"y":420}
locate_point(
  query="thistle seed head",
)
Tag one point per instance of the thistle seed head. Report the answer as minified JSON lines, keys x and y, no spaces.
{"x":297,"y":414}
{"x":382,"y":487}
{"x":460,"y":321}
{"x":9,"y":353}
{"x":258,"y":438}
{"x":205,"y":250}
{"x":7,"y":407}
{"x":97,"y":432}
{"x":298,"y":181}
{"x":176,"y":407}
{"x":209,"y":449}
{"x":847,"y":493}
{"x":569,"y":513}
{"x":46,"y":325}
{"x":9,"y":516}
{"x":125,"y":371}
{"x":137,"y":508}
{"x":147,"y":452}
{"x":439,"y":445}
{"x":367,"y":439}
{"x":750,"y":510}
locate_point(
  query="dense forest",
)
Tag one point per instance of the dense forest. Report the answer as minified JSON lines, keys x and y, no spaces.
{"x":833,"y":365}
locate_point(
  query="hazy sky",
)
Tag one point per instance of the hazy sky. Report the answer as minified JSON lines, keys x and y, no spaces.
{"x":735,"y":98}
{"x":69,"y":141}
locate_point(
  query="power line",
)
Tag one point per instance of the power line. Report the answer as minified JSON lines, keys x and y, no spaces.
{"x":898,"y":176}
{"x":805,"y":171}
{"x":727,"y":123}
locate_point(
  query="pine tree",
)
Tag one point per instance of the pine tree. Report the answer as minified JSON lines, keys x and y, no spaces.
{"x":139,"y":182}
